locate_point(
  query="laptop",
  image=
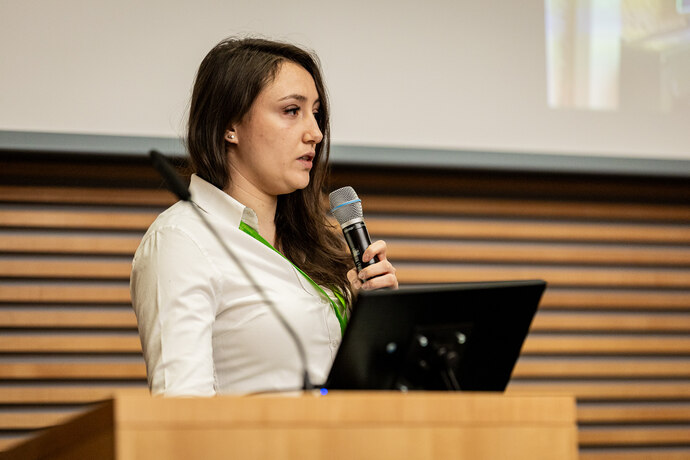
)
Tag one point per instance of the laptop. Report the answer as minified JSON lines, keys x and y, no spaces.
{"x":456,"y":337}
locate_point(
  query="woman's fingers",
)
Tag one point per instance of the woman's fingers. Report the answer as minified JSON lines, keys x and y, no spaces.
{"x":377,"y":248}
{"x":388,"y":280}
{"x":378,"y":269}
{"x":381,"y":274}
{"x":376,"y":276}
{"x":354,"y":280}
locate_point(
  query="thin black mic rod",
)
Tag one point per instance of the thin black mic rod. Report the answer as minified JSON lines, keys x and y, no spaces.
{"x":176,"y":186}
{"x":173,"y":181}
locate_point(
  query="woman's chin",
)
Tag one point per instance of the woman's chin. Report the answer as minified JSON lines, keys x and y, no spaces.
{"x":293,"y":187}
{"x":301,"y":183}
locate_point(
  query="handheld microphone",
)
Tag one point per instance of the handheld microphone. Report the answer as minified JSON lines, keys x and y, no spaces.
{"x":176,"y":186}
{"x":347,"y":209}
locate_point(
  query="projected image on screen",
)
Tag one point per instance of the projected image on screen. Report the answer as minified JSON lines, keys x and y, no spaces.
{"x":629,"y":55}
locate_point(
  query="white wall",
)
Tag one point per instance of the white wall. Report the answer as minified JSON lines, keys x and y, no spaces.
{"x":450,"y":74}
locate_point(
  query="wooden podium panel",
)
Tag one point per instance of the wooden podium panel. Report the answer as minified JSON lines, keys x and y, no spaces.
{"x":340,"y":425}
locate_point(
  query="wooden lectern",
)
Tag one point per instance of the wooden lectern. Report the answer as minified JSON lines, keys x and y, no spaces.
{"x":340,"y":425}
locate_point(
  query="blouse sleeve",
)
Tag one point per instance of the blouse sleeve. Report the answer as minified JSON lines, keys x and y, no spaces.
{"x":174,"y":294}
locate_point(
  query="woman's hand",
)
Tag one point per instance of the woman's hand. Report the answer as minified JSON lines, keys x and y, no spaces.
{"x":377,"y":276}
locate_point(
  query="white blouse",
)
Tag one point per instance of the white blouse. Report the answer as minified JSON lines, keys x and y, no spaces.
{"x":203,"y":328}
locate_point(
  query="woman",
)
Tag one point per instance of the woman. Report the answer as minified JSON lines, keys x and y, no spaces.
{"x":258,"y":138}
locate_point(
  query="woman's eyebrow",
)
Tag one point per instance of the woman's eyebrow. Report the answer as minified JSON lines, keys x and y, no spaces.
{"x":298,"y":97}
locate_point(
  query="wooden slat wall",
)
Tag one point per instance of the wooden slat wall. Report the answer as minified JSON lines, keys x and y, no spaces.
{"x":68,"y":229}
{"x":613,"y":327}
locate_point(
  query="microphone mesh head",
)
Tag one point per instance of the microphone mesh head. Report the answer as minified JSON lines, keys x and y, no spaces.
{"x":347,"y":212}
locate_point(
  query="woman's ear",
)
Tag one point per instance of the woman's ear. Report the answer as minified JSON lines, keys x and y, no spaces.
{"x":230,"y":136}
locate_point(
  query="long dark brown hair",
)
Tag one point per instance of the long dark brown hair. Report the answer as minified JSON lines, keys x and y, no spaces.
{"x":229,"y":79}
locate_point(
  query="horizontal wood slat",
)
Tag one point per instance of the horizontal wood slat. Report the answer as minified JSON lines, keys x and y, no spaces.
{"x":86,"y":195}
{"x":76,"y":219}
{"x":62,"y":318}
{"x":385,"y":181}
{"x":533,"y":253}
{"x":523,"y":207}
{"x":72,"y":370}
{"x":45,"y":293}
{"x":82,"y":169}
{"x":598,"y":367}
{"x":70,"y":343}
{"x":633,"y":436}
{"x":648,"y":413}
{"x":555,"y":276}
{"x":520,"y":230}
{"x":621,"y":322}
{"x":52,"y":394}
{"x":615,"y":299}
{"x":673,"y":453}
{"x":109,"y":245}
{"x":609,"y":390}
{"x":85,"y":269}
{"x":617,"y":345}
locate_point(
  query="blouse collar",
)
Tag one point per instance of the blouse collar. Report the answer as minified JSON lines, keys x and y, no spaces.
{"x":218,"y":203}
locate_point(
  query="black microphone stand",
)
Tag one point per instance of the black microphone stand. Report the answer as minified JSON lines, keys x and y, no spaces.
{"x":176,"y":186}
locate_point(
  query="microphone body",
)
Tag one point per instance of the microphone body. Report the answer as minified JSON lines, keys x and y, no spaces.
{"x":347,"y":209}
{"x":358,"y":240}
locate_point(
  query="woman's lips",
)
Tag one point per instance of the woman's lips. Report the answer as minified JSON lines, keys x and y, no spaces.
{"x":306,"y":160}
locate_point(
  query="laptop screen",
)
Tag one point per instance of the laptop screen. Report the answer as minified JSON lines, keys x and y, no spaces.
{"x":459,"y":336}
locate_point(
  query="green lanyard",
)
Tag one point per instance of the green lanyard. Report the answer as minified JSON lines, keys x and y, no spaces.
{"x":338,"y":309}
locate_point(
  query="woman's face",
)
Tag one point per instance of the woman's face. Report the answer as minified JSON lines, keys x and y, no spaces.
{"x":275,"y":142}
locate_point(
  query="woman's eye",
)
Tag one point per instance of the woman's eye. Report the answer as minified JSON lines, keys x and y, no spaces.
{"x":292,"y":111}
